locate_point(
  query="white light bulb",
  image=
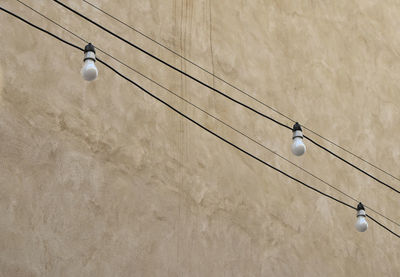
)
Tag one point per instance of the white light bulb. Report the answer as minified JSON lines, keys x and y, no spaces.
{"x":298,"y":146}
{"x":361,"y":223}
{"x":89,"y":70}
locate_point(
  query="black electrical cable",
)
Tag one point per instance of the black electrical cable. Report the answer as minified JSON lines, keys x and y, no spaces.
{"x":41,"y":29}
{"x":195,"y":122}
{"x":236,"y":88}
{"x":349,"y":152}
{"x":207,"y":113}
{"x":220,"y":92}
{"x":383,"y":226}
{"x":349,"y":163}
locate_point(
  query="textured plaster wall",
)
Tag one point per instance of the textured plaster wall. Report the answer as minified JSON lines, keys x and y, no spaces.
{"x":98,"y":179}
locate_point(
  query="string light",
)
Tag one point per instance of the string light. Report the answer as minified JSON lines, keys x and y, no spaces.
{"x":209,"y":114}
{"x":361,"y":224}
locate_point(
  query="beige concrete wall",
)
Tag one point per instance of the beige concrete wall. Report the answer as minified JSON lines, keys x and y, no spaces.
{"x":98,"y":179}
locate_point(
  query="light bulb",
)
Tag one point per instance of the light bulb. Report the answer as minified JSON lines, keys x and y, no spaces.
{"x":361,"y":223}
{"x":298,"y":146}
{"x":89,"y":70}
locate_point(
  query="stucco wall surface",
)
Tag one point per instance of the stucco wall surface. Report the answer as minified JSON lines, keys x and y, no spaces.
{"x":99,"y":179}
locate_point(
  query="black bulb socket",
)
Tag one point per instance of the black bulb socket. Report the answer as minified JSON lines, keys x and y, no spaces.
{"x":89,"y":48}
{"x":297,"y":127}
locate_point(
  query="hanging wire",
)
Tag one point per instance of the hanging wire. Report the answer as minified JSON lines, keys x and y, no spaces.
{"x":222,"y":93}
{"x":195,"y":122}
{"x":207,"y":113}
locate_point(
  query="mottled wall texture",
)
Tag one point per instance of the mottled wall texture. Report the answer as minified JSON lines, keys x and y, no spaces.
{"x":99,"y":179}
